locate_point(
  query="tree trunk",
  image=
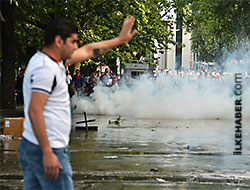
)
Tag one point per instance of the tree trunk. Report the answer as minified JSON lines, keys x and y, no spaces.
{"x":8,"y":11}
{"x":178,"y":50}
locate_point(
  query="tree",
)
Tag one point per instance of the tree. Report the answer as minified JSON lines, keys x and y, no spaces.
{"x":216,"y":25}
{"x":97,"y":20}
{"x":8,"y":11}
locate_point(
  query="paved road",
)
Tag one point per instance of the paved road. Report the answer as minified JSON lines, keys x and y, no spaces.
{"x":149,"y":154}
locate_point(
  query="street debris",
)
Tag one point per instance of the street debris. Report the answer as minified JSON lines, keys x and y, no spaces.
{"x":6,"y":137}
{"x":110,"y":157}
{"x":117,"y":121}
{"x":160,"y":180}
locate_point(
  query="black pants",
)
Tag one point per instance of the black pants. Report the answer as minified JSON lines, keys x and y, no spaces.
{"x":19,"y":98}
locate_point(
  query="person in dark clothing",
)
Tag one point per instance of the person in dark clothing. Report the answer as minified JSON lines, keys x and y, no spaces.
{"x":19,"y":87}
{"x":92,"y":83}
{"x":78,"y":82}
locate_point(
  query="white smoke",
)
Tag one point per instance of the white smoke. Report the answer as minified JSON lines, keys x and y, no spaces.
{"x":161,"y":98}
{"x":171,"y":97}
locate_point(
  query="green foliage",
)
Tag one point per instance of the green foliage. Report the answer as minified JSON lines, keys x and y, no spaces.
{"x":216,"y":25}
{"x":97,"y":20}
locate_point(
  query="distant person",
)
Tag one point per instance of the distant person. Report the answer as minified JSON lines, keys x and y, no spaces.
{"x":19,"y":87}
{"x":115,"y":85}
{"x":106,"y":78}
{"x":69,"y":82}
{"x":78,"y":83}
{"x":43,"y":152}
{"x":98,"y":77}
{"x":86,"y":83}
{"x":92,"y":83}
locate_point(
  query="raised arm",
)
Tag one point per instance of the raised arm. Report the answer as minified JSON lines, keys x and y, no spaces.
{"x":98,"y":48}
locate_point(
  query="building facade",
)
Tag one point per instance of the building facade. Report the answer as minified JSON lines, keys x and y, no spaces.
{"x":167,"y":60}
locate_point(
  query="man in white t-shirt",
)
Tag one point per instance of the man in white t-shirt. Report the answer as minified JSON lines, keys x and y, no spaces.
{"x":69,"y":81}
{"x":43,"y":150}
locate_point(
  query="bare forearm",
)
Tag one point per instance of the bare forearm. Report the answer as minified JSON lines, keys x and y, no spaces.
{"x":39,"y":129}
{"x":93,"y":50}
{"x":99,"y":48}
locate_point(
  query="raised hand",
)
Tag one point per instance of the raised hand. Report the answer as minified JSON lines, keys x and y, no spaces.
{"x":126,"y":34}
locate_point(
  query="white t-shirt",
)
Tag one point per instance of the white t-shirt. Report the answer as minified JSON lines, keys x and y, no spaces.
{"x":68,"y":79}
{"x":45,"y":75}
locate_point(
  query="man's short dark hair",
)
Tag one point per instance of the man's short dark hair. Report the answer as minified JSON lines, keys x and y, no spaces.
{"x":61,"y":27}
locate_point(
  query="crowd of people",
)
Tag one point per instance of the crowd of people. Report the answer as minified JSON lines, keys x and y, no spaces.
{"x":202,"y":75}
{"x":195,"y":74}
{"x":202,"y":79}
{"x":84,"y":86}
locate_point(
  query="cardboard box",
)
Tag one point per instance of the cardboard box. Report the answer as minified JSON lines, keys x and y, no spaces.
{"x":13,"y":126}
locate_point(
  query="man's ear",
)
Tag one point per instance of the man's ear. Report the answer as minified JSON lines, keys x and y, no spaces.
{"x":58,"y":41}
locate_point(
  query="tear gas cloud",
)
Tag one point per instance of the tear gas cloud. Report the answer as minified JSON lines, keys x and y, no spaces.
{"x":171,"y":97}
